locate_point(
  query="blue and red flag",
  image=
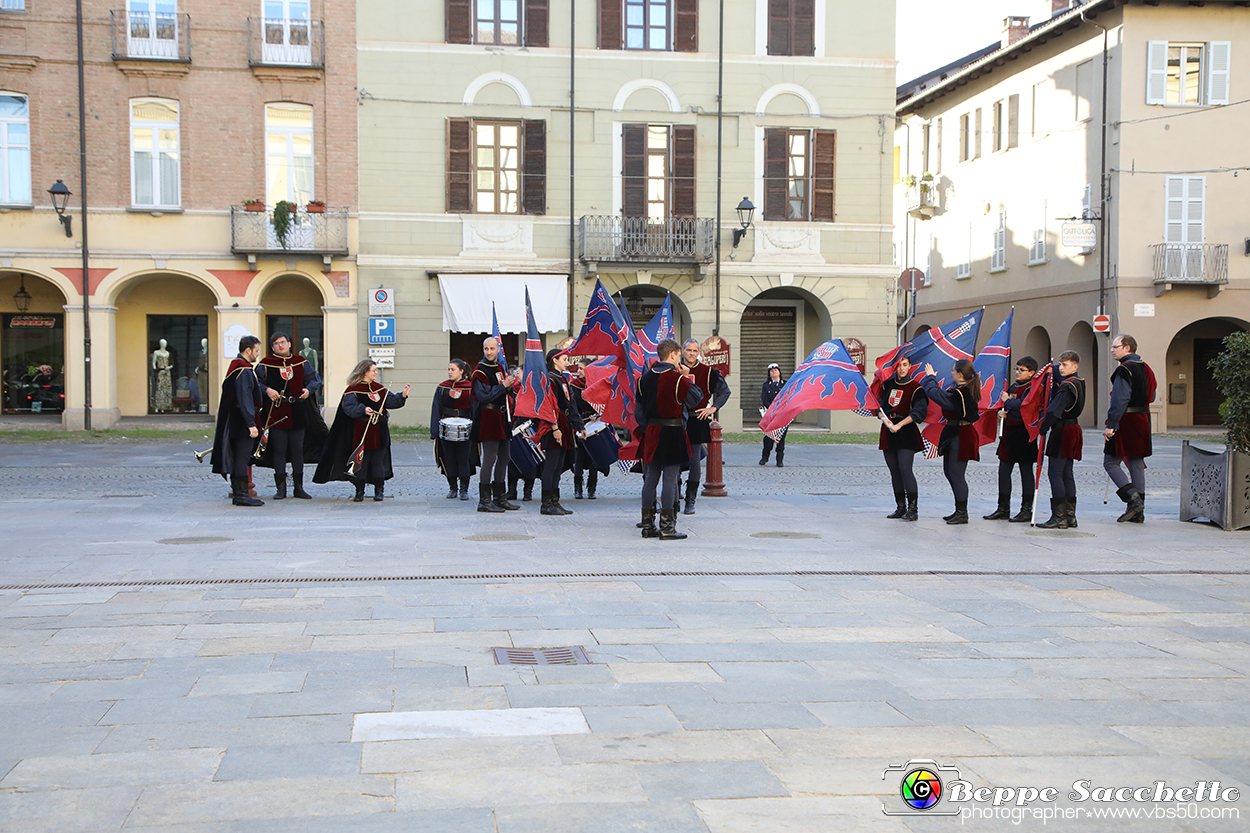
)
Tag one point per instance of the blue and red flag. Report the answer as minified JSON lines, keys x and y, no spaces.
{"x":993,"y":365}
{"x":603,"y":328}
{"x":658,"y":328}
{"x":494,"y":331}
{"x":534,"y":399}
{"x":828,"y":380}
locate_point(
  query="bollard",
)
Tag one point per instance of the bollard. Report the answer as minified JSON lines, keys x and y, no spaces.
{"x":713,"y":473}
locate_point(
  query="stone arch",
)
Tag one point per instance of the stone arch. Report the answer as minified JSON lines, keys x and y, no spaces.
{"x":1037,"y":345}
{"x":1083,"y":342}
{"x":114,"y":286}
{"x":802,"y":93}
{"x":34,"y":360}
{"x":623,"y":94}
{"x":488,"y":78}
{"x":649,"y":295}
{"x":761,"y":321}
{"x":59,"y":282}
{"x":262,"y":287}
{"x":1186,"y":365}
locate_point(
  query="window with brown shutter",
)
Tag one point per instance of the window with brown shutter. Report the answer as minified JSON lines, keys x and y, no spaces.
{"x":534,"y":173}
{"x":459,"y":166}
{"x":460,"y":21}
{"x":791,"y":27}
{"x":496,"y":166}
{"x":536,"y":22}
{"x":775,"y":180}
{"x":634,"y":170}
{"x":685,"y":25}
{"x":684,"y":146}
{"x":610,"y":24}
{"x":824,"y":168}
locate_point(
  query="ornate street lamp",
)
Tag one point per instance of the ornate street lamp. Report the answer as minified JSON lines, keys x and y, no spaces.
{"x":22,"y":298}
{"x":60,"y":199}
{"x":745,"y":211}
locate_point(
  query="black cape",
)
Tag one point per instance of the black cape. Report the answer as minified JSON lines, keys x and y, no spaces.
{"x":315,"y":433}
{"x":231,"y":428}
{"x":341,"y":442}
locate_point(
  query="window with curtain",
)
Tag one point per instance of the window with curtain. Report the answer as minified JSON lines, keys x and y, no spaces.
{"x":289,"y":153}
{"x":154,"y":153}
{"x":497,"y":167}
{"x":14,"y":148}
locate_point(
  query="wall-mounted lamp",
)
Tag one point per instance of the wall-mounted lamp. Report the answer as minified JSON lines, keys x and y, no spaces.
{"x":21,"y":298}
{"x":745,"y":211}
{"x":60,"y":199}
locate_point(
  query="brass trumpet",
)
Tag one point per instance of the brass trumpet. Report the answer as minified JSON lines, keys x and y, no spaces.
{"x":200,"y":455}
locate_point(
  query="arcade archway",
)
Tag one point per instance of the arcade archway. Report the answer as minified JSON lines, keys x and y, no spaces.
{"x":32,"y":347}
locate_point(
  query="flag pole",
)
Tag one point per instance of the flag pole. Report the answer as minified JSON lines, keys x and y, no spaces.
{"x":1041,"y":448}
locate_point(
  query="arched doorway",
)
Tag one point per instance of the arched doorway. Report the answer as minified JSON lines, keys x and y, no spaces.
{"x":292,"y":305}
{"x":166,"y":346}
{"x":32,"y":347}
{"x":781,"y":325}
{"x":643,"y":301}
{"x":1037,"y":345}
{"x":1190,"y":391}
{"x":1084,"y":343}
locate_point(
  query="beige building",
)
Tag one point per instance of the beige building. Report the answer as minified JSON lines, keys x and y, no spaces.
{"x":468,"y":158}
{"x":187,"y":117}
{"x":1012,"y":140}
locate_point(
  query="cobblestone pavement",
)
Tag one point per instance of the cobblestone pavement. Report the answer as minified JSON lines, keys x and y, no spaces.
{"x":171,"y":663}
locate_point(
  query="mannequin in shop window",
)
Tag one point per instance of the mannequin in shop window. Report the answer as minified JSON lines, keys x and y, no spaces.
{"x":310,"y":355}
{"x":201,"y":378}
{"x":162,"y":364}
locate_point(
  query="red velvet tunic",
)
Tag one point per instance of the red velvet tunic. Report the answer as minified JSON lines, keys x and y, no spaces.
{"x":286,"y":376}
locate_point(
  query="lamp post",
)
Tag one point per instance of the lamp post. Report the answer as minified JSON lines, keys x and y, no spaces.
{"x":60,"y":200}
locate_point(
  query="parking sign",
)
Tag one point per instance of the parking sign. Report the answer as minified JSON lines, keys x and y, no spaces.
{"x":382,"y":302}
{"x":381,"y":330}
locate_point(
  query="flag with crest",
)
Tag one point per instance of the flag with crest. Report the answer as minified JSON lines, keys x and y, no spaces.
{"x":494,"y":331}
{"x":534,"y":399}
{"x":603,"y":328}
{"x":993,"y":365}
{"x":827,"y":380}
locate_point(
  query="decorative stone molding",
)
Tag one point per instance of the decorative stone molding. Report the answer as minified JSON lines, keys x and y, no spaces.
{"x":787,"y":243}
{"x":492,"y":235}
{"x":153,"y":69}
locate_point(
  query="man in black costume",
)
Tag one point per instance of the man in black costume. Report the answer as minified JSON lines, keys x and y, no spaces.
{"x":236,"y":421}
{"x":290,"y":382}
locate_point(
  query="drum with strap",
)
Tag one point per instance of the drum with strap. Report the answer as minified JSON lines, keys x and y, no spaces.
{"x":601,"y":444}
{"x":454,"y":429}
{"x":525,"y":453}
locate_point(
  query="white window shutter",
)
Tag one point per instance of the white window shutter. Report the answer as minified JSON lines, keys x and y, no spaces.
{"x":1174,"y":220}
{"x":1156,"y":72}
{"x":1195,"y":188}
{"x":1087,"y":196}
{"x":999,"y":258}
{"x":1219,"y":61}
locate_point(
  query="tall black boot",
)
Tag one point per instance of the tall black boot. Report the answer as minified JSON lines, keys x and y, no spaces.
{"x":913,"y":510}
{"x":692,"y":494}
{"x":577,"y":486}
{"x":555,"y":494}
{"x":1003,"y":512}
{"x":1141,"y":517}
{"x":548,"y":506}
{"x":241,"y":496}
{"x":1026,"y":511}
{"x":1133,"y":501}
{"x":511,"y":493}
{"x":360,"y":491}
{"x":298,"y":491}
{"x":900,"y":508}
{"x":452,"y":491}
{"x":1071,"y":513}
{"x":781,"y":457}
{"x":497,"y":490}
{"x":464,"y":488}
{"x":648,"y":522}
{"x":484,"y":501}
{"x":1056,"y":515}
{"x":643,"y":523}
{"x":668,"y":525}
{"x":961,"y":513}
{"x":764,"y":455}
{"x":592,"y":482}
{"x":379,"y":490}
{"x":527,"y":494}
{"x":279,"y":482}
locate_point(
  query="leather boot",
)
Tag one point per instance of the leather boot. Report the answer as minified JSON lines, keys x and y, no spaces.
{"x":379,"y":490}
{"x":511,"y":493}
{"x":497,"y":490}
{"x":1026,"y":511}
{"x":961,"y":513}
{"x":781,"y":459}
{"x":484,"y":501}
{"x":1071,"y":513}
{"x":527,"y":493}
{"x":548,"y":506}
{"x":298,"y":490}
{"x":900,"y":507}
{"x":1003,"y":512}
{"x":577,"y":487}
{"x":464,"y":488}
{"x":279,"y":482}
{"x":648,"y":523}
{"x":1056,"y":514}
{"x":1141,"y":517}
{"x":592,"y":483}
{"x":668,"y":525}
{"x":241,"y":496}
{"x":692,"y":494}
{"x":764,"y":457}
{"x":452,"y":491}
{"x":360,"y":491}
{"x":555,"y":494}
{"x":913,"y":511}
{"x":1133,"y":501}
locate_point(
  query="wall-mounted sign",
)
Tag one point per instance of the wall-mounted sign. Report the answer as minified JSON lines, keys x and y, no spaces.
{"x":382,"y":302}
{"x":384,"y":357}
{"x":859,"y":353}
{"x":1102,"y":323}
{"x":1078,"y":235}
{"x":1143,"y":310}
{"x":230,"y":340}
{"x":32,"y":322}
{"x":381,"y":330}
{"x":716,"y":354}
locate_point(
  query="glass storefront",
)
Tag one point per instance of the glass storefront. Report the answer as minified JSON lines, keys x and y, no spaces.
{"x":178,"y":364}
{"x":33,"y":351}
{"x":306,"y":339}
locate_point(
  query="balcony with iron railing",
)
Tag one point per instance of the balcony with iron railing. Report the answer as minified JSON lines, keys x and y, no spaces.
{"x":921,"y":203}
{"x":285,"y":42}
{"x":321,"y":234}
{"x":639,"y":239}
{"x":150,"y":36}
{"x":1190,"y":264}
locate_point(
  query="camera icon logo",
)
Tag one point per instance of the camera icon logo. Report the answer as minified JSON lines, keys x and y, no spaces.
{"x":920,"y":787}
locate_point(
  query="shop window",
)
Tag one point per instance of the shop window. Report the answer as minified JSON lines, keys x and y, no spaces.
{"x":307,"y":340}
{"x":178,"y":363}
{"x":34,"y":363}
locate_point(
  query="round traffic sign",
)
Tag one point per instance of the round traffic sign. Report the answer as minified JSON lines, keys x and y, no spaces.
{"x":1102,"y":323}
{"x":911,"y":279}
{"x":380,"y":296}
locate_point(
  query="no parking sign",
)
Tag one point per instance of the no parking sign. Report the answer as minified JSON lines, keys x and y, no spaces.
{"x":382,"y":302}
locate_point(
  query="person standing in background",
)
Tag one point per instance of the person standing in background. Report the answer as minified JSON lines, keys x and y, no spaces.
{"x":772,"y":386}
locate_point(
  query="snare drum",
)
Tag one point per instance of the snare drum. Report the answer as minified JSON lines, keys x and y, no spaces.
{"x":454,"y":429}
{"x":525,"y":454}
{"x":601,"y":445}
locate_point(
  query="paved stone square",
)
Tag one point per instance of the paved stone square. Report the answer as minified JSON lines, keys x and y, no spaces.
{"x":170,"y":662}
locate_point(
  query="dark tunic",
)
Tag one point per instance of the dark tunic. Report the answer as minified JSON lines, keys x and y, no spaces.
{"x":1132,"y":390}
{"x":901,"y":401}
{"x":289,"y":376}
{"x":662,"y":397}
{"x":1015,"y":445}
{"x":451,"y":399}
{"x":959,"y":408}
{"x":490,"y":398}
{"x":1067,"y":400}
{"x":710,"y":381}
{"x":351,"y":428}
{"x":568,"y":419}
{"x":236,"y":414}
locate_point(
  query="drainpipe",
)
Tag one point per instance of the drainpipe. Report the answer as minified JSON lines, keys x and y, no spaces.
{"x":572,"y":166}
{"x":720,"y":112}
{"x":86,"y":281}
{"x":911,"y":308}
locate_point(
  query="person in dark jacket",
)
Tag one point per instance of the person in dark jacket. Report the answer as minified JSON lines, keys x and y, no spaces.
{"x":583,"y":467}
{"x":453,"y":399}
{"x":772,"y":386}
{"x":237,"y":431}
{"x":1127,"y":431}
{"x":663,"y":396}
{"x":491,"y":428}
{"x":699,"y":422}
{"x":358,"y":448}
{"x":1064,"y":444}
{"x":1016,"y":449}
{"x":556,"y":438}
{"x":290,"y":383}
{"x":958,"y":442}
{"x":903,"y":405}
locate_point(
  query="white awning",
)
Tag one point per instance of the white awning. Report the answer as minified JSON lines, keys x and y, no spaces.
{"x":467,"y":302}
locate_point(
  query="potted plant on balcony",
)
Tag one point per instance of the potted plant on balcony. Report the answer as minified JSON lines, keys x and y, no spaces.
{"x":283,"y":211}
{"x":253,"y":204}
{"x":315,"y":207}
{"x":925,"y":185}
{"x":1216,"y":485}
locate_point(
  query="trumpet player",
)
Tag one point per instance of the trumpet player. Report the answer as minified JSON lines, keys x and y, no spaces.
{"x":241,"y":396}
{"x":358,"y":448}
{"x":289,"y":382}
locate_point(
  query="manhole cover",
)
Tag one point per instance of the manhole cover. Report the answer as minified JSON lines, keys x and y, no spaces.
{"x":788,"y":535}
{"x":206,"y":539}
{"x":541,"y":656}
{"x":499,"y":536}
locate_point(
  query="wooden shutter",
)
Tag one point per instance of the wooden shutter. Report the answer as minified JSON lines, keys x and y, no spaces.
{"x":1156,"y":72}
{"x":779,"y":27}
{"x":824,"y":166}
{"x":460,"y":21}
{"x":685,"y":25}
{"x":1013,"y":121}
{"x":976,"y":138}
{"x":684,"y":148}
{"x":1219,"y":59}
{"x":610,"y":24}
{"x":775,"y":189}
{"x":537,"y":23}
{"x":803,"y":37}
{"x":634,"y":170}
{"x":459,"y":166}
{"x":534,"y":170}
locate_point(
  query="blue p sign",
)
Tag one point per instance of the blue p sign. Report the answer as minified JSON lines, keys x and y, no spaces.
{"x":381,"y":330}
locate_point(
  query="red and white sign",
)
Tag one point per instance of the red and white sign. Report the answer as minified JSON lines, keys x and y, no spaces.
{"x":859,"y":353}
{"x":1102,"y":323}
{"x":716,"y":353}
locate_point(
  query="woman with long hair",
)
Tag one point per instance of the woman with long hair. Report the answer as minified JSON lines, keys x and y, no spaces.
{"x":556,"y":438}
{"x":958,"y":443}
{"x":452,"y":400}
{"x":903,"y":407}
{"x":358,"y":448}
{"x":772,"y":386}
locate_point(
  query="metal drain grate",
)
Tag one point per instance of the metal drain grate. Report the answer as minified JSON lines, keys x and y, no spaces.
{"x":499,"y":536}
{"x":206,"y":539}
{"x":785,"y":535}
{"x":541,"y":656}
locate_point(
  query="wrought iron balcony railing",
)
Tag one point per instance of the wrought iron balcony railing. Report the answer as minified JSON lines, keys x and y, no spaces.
{"x":290,"y":42}
{"x":675,"y":240}
{"x":150,"y":36}
{"x":252,"y":232}
{"x":921,"y":204}
{"x":1196,"y":263}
